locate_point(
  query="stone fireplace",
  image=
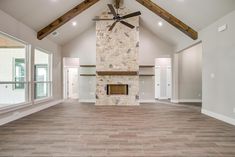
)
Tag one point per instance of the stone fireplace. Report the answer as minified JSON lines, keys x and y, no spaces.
{"x":117,"y":55}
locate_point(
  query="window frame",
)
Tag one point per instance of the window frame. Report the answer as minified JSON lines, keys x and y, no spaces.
{"x":49,"y":81}
{"x":27,"y":80}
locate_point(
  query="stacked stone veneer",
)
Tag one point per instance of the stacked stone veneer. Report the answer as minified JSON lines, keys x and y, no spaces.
{"x":117,"y":51}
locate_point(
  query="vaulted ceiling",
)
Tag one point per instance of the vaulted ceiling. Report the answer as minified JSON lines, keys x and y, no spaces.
{"x":196,"y":13}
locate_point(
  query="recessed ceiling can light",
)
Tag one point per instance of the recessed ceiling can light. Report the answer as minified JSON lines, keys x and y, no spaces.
{"x":74,"y":23}
{"x":160,"y":23}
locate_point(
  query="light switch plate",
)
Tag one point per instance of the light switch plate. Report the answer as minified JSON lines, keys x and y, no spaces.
{"x":233,"y":110}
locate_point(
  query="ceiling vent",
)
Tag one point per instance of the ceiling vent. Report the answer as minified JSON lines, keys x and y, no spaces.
{"x":55,"y":34}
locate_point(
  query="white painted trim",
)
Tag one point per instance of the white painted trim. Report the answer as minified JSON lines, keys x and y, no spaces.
{"x":187,"y":101}
{"x":175,"y":101}
{"x":163,"y":98}
{"x":147,"y":101}
{"x":219,"y":116}
{"x":17,"y":114}
{"x":43,"y":100}
{"x":87,"y":100}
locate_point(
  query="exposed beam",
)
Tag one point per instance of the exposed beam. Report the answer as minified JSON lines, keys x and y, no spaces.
{"x":169,"y":18}
{"x":117,"y":4}
{"x":65,"y":18}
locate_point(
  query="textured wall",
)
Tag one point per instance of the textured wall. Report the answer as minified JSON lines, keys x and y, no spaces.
{"x":117,"y":51}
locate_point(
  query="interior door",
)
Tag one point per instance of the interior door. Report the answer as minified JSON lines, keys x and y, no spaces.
{"x":169,"y":82}
{"x":157,"y":82}
{"x":73,"y":83}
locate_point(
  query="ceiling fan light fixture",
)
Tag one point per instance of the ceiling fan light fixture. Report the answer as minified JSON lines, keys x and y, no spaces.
{"x":117,"y":18}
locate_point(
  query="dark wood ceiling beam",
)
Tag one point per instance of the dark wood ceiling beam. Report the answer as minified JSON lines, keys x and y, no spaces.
{"x":169,"y":18}
{"x":117,"y":4}
{"x":65,"y":18}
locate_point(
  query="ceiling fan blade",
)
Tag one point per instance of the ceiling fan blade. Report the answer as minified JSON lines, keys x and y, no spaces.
{"x":97,"y":19}
{"x":113,"y":25}
{"x":127,"y":24}
{"x":131,"y":15}
{"x":111,"y":8}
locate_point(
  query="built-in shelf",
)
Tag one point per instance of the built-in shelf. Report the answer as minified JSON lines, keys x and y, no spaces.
{"x":88,"y":66}
{"x":87,"y":74}
{"x":146,"y":66}
{"x":146,"y":75}
{"x":121,"y":73}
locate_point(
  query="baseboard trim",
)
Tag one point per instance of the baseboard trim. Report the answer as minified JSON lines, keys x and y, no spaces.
{"x":17,"y":115}
{"x":187,"y":101}
{"x":87,"y":100}
{"x":175,"y":101}
{"x":147,"y":101}
{"x":218,"y":116}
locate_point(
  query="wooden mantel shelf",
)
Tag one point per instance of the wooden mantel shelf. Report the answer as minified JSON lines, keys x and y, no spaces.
{"x":118,"y":73}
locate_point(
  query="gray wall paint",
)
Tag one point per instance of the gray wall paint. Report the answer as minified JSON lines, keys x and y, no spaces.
{"x":190,"y":74}
{"x":82,"y":47}
{"x":152,"y":47}
{"x":219,"y":59}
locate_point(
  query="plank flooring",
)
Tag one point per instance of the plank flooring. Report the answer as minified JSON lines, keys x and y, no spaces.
{"x":83,"y":130}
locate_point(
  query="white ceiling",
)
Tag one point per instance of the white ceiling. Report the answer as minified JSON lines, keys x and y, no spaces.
{"x":196,"y":13}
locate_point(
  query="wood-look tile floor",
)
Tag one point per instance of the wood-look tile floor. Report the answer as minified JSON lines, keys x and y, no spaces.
{"x":83,"y":130}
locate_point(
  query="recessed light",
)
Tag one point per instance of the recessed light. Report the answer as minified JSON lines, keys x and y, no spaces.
{"x":74,"y":23}
{"x":160,"y":23}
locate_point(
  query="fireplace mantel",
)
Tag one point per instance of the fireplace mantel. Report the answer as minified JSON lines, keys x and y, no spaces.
{"x":117,"y":73}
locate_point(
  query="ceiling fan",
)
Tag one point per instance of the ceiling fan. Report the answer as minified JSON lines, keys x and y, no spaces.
{"x":117,"y":18}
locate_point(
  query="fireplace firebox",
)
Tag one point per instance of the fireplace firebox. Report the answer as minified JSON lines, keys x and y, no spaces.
{"x":117,"y":89}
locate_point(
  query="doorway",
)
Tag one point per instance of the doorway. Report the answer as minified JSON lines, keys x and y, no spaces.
{"x":71,"y":78}
{"x":71,"y":83}
{"x":163,"y":78}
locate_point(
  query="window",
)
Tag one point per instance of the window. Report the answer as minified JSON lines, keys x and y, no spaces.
{"x":19,"y":69}
{"x":42,"y":74}
{"x":14,"y":85}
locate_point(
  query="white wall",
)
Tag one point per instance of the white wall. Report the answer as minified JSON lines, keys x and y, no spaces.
{"x":190,"y":74}
{"x":219,"y":68}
